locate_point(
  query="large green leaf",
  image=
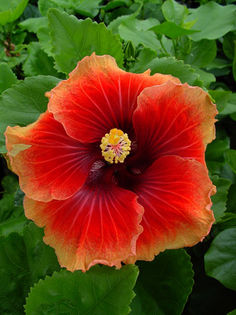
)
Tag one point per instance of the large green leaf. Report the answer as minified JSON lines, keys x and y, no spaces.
{"x":45,"y":40}
{"x":144,"y":58}
{"x":202,"y":53}
{"x":74,"y":39}
{"x":231,"y":202}
{"x":230,"y":156}
{"x":87,"y":8}
{"x":164,"y":285}
{"x":99,"y":291}
{"x":41,"y":28}
{"x":137,"y":32}
{"x":213,"y":20}
{"x":11,"y":10}
{"x":23,"y":261}
{"x":228,"y":44}
{"x":234,"y":62}
{"x":113,"y":4}
{"x":215,"y":155}
{"x":83,"y":7}
{"x":114,"y":25}
{"x":226,"y":222}
{"x":226,"y":101}
{"x":172,"y":30}
{"x":174,"y":12}
{"x":22,"y":104}
{"x":220,"y":259}
{"x":38,"y":62}
{"x":205,"y":77}
{"x":216,"y":149}
{"x":221,"y":98}
{"x":169,"y":65}
{"x":220,"y":198}
{"x":34,"y":24}
{"x":45,"y":5}
{"x":12,"y":217}
{"x":7,"y":77}
{"x":230,"y":107}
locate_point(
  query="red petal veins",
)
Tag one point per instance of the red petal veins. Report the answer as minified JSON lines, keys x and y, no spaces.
{"x":174,"y":119}
{"x":49,"y":163}
{"x":97,"y":225}
{"x":175,"y":194}
{"x":98,"y":96}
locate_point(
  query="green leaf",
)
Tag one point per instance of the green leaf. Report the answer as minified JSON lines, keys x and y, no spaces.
{"x":216,"y":149}
{"x":212,"y":20}
{"x":38,"y":62}
{"x":221,"y":98}
{"x":22,"y":104}
{"x":231,"y":202}
{"x":137,"y":32}
{"x":230,"y":107}
{"x":215,"y":155}
{"x":170,"y":65}
{"x":174,"y":12}
{"x":144,"y":58}
{"x":12,"y":217}
{"x":115,"y":4}
{"x":40,"y":27}
{"x":7,"y":77}
{"x":82,"y":7}
{"x":230,"y":156}
{"x":202,"y":53}
{"x":172,"y":30}
{"x":41,"y":258}
{"x":220,"y":259}
{"x":45,"y":5}
{"x":228,"y":45}
{"x":11,"y":10}
{"x":114,"y":25}
{"x":23,"y":261}
{"x":144,"y":303}
{"x":13,"y":60}
{"x":234,"y":62}
{"x":31,"y":11}
{"x":87,"y":8}
{"x":220,"y":198}
{"x":219,"y":64}
{"x":9,"y":184}
{"x":204,"y":76}
{"x":13,"y":225}
{"x":45,"y":40}
{"x":232,"y":313}
{"x":74,"y":39}
{"x":101,"y":290}
{"x":164,"y":284}
{"x":34,"y":24}
{"x":227,"y":221}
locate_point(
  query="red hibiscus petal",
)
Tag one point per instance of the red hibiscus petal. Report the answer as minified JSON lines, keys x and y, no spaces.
{"x":175,"y":194}
{"x":49,"y":163}
{"x":99,"y":224}
{"x":98,"y":96}
{"x":174,"y":119}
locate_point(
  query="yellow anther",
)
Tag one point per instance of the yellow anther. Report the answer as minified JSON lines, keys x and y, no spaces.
{"x":115,"y":146}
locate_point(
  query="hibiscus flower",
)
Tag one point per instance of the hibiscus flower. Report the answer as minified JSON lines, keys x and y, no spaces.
{"x":115,"y":169}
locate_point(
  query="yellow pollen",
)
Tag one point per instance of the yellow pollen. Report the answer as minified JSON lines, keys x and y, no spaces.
{"x":115,"y":146}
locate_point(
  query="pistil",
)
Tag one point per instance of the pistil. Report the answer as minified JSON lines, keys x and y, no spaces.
{"x":115,"y":146}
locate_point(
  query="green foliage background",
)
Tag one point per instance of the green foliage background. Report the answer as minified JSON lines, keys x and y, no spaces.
{"x":40,"y":43}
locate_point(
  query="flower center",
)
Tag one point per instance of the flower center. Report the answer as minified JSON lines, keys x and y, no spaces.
{"x":115,"y":146}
